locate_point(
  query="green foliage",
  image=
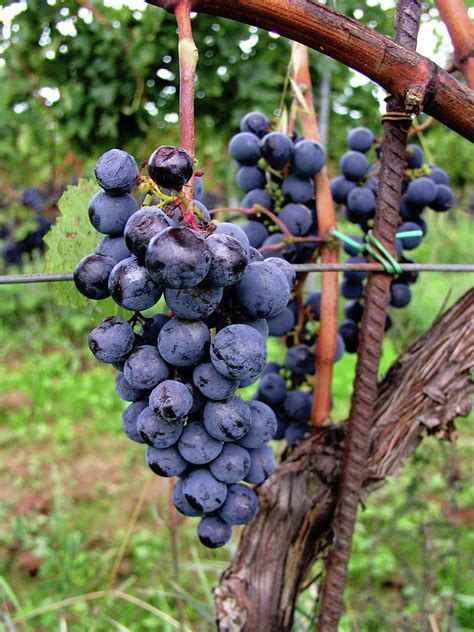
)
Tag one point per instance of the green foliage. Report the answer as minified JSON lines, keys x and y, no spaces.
{"x":71,"y":238}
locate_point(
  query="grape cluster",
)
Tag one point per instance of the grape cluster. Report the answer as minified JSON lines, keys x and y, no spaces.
{"x":23,"y":233}
{"x":424,"y":185}
{"x":277,"y":173}
{"x":181,"y":371}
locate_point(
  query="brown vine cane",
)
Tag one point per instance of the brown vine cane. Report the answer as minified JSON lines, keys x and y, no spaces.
{"x":356,"y":448}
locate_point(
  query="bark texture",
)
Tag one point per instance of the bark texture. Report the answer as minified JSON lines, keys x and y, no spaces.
{"x":422,"y":394}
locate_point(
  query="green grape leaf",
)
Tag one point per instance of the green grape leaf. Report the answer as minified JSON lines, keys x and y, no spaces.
{"x":71,"y":238}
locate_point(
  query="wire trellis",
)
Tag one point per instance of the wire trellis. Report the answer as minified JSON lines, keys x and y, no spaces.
{"x":13,"y":279}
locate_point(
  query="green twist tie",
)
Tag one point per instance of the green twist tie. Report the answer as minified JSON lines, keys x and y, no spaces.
{"x":381,"y":254}
{"x":348,"y":240}
{"x":376,"y":249}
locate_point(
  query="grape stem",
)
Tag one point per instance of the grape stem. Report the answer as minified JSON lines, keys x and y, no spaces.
{"x":255,"y":210}
{"x":326,"y":347}
{"x":188,"y":56}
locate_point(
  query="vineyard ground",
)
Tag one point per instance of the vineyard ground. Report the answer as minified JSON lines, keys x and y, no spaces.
{"x":70,"y":482}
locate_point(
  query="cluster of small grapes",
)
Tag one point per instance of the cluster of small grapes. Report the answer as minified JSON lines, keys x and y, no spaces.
{"x":182,"y":370}
{"x":23,"y":233}
{"x":423,"y":186}
{"x":277,"y":172}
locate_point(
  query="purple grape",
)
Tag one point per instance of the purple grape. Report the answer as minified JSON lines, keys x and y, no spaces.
{"x":112,"y":340}
{"x":170,"y":167}
{"x":116,"y":172}
{"x":91,"y":276}
{"x":240,"y":506}
{"x":166,"y":462}
{"x":227,"y":420}
{"x":232,"y":464}
{"x":262,"y":464}
{"x":156,"y":432}
{"x":213,"y":532}
{"x":145,"y":368}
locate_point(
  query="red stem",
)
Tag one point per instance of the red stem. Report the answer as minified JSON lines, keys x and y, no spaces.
{"x":188,"y":55}
{"x":326,"y":347}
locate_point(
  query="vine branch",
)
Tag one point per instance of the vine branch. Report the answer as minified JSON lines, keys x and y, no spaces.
{"x":461,"y":31}
{"x":387,"y":62}
{"x":326,"y":347}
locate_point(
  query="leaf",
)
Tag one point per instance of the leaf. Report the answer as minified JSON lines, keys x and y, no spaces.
{"x":71,"y":238}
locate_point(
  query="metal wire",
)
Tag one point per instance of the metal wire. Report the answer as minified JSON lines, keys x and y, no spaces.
{"x":298,"y":267}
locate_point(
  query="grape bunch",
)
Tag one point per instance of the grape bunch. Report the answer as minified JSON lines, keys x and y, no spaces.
{"x":181,"y":371}
{"x":276,"y":173}
{"x":22,"y":233}
{"x":424,"y":185}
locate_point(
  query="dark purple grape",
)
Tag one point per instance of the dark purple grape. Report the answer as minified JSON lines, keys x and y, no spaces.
{"x":170,"y":167}
{"x":142,"y":226}
{"x":145,"y":368}
{"x":263,"y":425}
{"x":421,"y":192}
{"x":256,"y":233}
{"x":131,"y":286}
{"x":213,"y":532}
{"x":360,"y":139}
{"x":349,"y":332}
{"x":116,"y":172}
{"x":227,"y":420}
{"x":272,"y":389}
{"x":204,"y":492}
{"x":340,"y":189}
{"x":114,"y":247}
{"x":257,"y":197}
{"x":213,"y":384}
{"x":128,"y":392}
{"x":400,"y":295}
{"x":282,"y":323}
{"x":300,"y":360}
{"x":197,"y":446}
{"x":229,"y":259}
{"x":263,"y":291}
{"x":91,"y":276}
{"x":166,"y":462}
{"x":245,"y":148}
{"x":194,"y":302}
{"x":277,"y":149}
{"x":112,"y":340}
{"x":108,"y":214}
{"x":309,"y":158}
{"x":249,"y":177}
{"x":156,"y":432}
{"x":297,"y":189}
{"x":240,"y":506}
{"x":262,"y":464}
{"x":297,"y":405}
{"x":255,"y":123}
{"x":182,"y":342}
{"x":444,"y":198}
{"x":353,"y":165}
{"x":239,"y":352}
{"x":171,"y":401}
{"x":415,"y":156}
{"x":297,"y":218}
{"x":232,"y":464}
{"x":178,"y":257}
{"x":151,"y":328}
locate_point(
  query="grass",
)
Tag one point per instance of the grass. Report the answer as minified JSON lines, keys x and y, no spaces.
{"x":87,"y":537}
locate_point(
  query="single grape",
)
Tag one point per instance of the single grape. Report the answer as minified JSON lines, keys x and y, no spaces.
{"x":309,"y":158}
{"x":421,"y":192}
{"x":178,"y":257}
{"x":194,"y":302}
{"x":239,"y":352}
{"x":240,"y":506}
{"x":415,"y":156}
{"x":183,"y":343}
{"x":263,"y":291}
{"x":352,"y":289}
{"x":297,"y":405}
{"x":245,"y":148}
{"x":131,"y":286}
{"x":213,"y":384}
{"x":213,"y":532}
{"x":227,"y":420}
{"x":361,"y":200}
{"x":203,"y":491}
{"x":360,"y":139}
{"x":166,"y":462}
{"x":300,"y":360}
{"x":340,"y":189}
{"x":263,"y":425}
{"x":353,"y":165}
{"x":142,"y":226}
{"x":156,"y":432}
{"x":91,"y":276}
{"x":297,"y":189}
{"x":232,"y":464}
{"x":170,"y":167}
{"x":197,"y":446}
{"x":281,"y":324}
{"x":128,"y":392}
{"x":256,"y":233}
{"x":438,"y":175}
{"x":277,"y":149}
{"x":353,"y":311}
{"x":171,"y":401}
{"x":112,"y":340}
{"x":255,"y":122}
{"x":257,"y":197}
{"x":114,"y":247}
{"x":272,"y":389}
{"x":226,"y":228}
{"x":130,"y":418}
{"x":286,"y":268}
{"x":400,"y":295}
{"x":297,"y":218}
{"x":250,"y":177}
{"x":145,"y":368}
{"x":295,"y":432}
{"x":349,"y":332}
{"x":262,"y":465}
{"x":229,"y":259}
{"x":116,"y":172}
{"x":444,"y":198}
{"x":409,"y":243}
{"x":108,"y":214}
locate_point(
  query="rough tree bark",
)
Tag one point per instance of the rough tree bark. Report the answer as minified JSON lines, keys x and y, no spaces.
{"x":422,"y":394}
{"x":386,"y":62}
